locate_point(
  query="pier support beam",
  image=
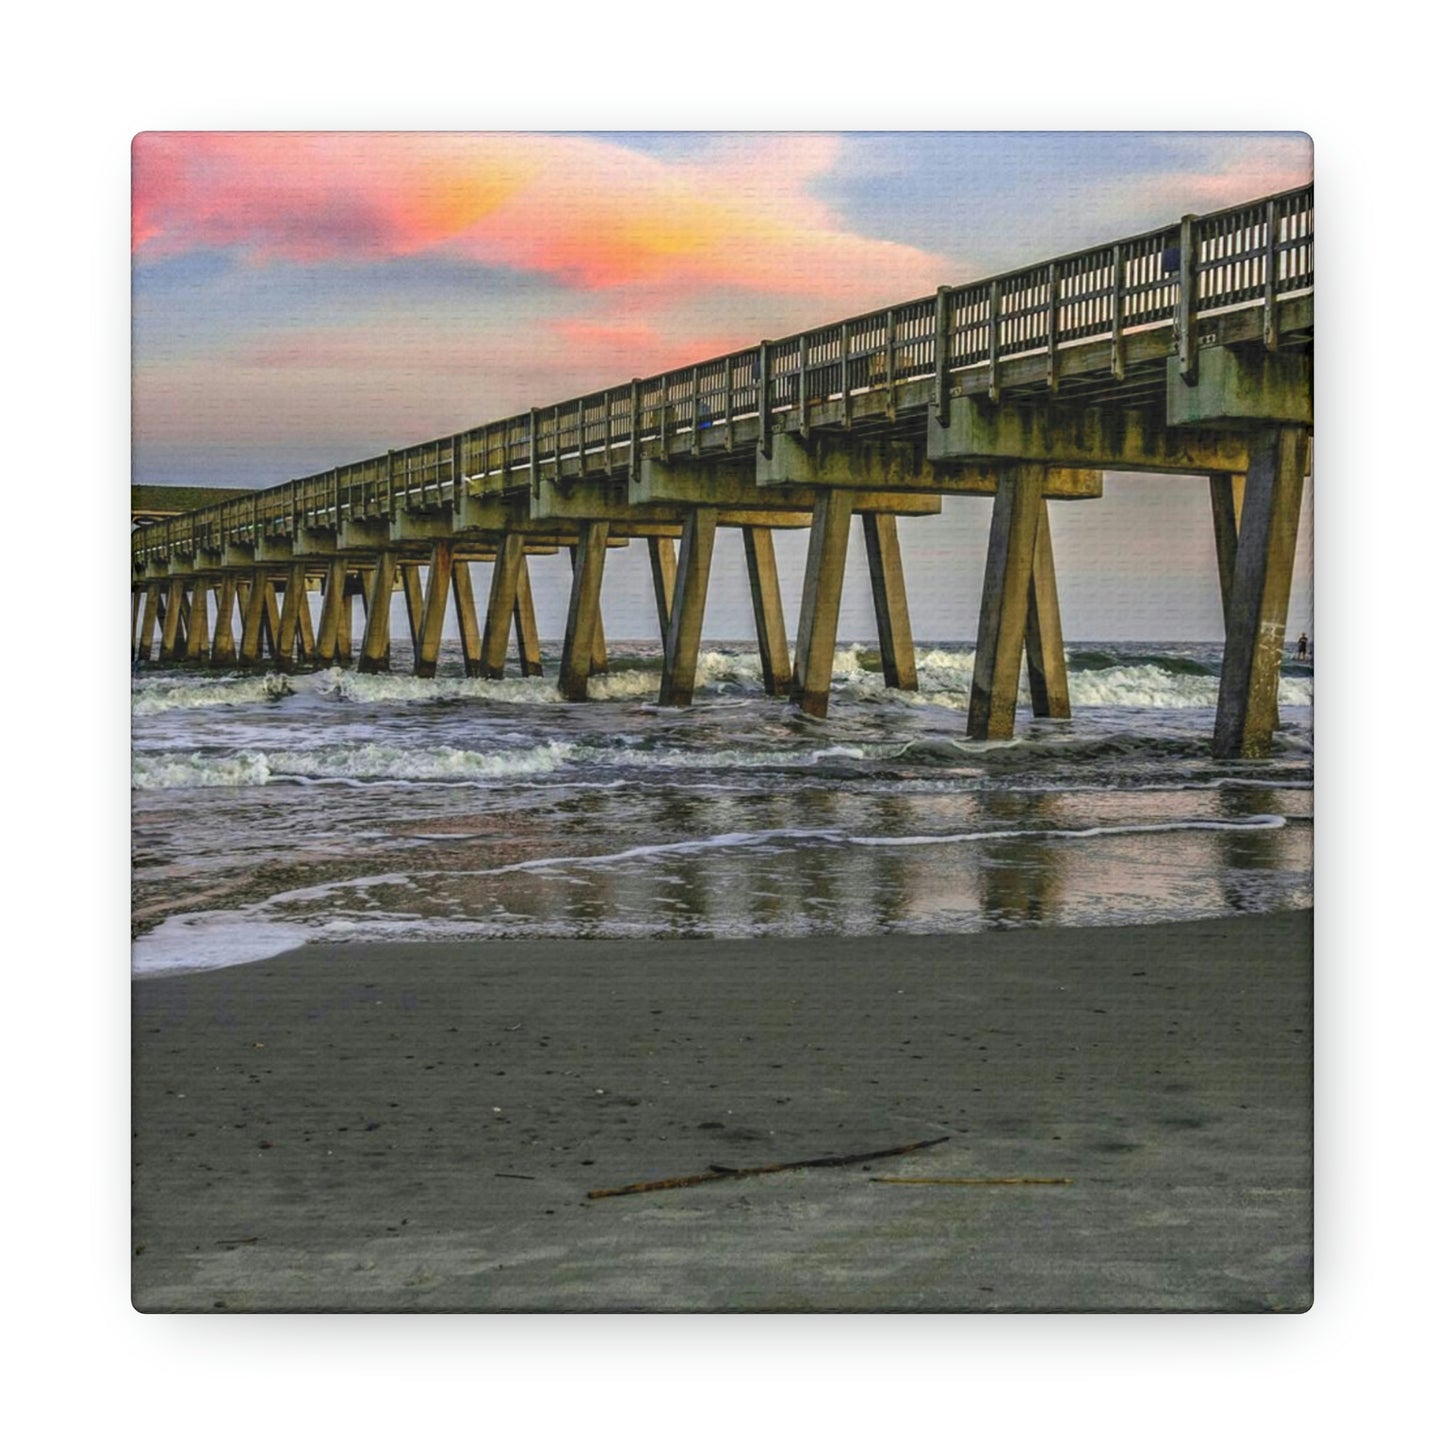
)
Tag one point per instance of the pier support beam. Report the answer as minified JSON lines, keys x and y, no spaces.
{"x":376,"y":640}
{"x":223,"y":642}
{"x":507,"y":571}
{"x":663,"y":558}
{"x":1005,"y":606}
{"x":270,"y":620}
{"x":173,"y":627}
{"x":1226,"y":501}
{"x":415,"y":607}
{"x":438,"y":585}
{"x":343,"y":622}
{"x":307,"y":633}
{"x":822,"y":596}
{"x":466,"y":609}
{"x":584,"y":612}
{"x":149,"y":617}
{"x":198,"y":630}
{"x":529,"y":650}
{"x":890,"y":601}
{"x":293,"y":604}
{"x":1043,"y":632}
{"x":253,"y":620}
{"x":767,"y":608}
{"x":1259,"y":593}
{"x":689,"y":600}
{"x":333,"y":600}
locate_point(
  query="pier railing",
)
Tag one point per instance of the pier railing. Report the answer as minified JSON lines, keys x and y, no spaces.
{"x":1245,"y":256}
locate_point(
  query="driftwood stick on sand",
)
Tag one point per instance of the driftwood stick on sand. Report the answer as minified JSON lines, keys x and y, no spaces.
{"x":716,"y":1171}
{"x":925,"y":1179}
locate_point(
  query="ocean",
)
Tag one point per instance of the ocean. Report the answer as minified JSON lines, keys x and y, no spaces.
{"x":325,"y":807}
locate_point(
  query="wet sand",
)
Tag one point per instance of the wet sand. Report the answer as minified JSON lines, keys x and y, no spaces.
{"x":416,"y":1127}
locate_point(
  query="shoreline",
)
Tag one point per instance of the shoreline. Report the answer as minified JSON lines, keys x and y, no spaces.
{"x":415,"y":1127}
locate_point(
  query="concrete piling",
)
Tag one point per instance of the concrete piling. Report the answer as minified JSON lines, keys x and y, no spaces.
{"x":767,"y":599}
{"x":890,"y":601}
{"x":663,"y":559}
{"x":376,"y":640}
{"x":689,"y":600}
{"x":466,"y":612}
{"x":529,"y":650}
{"x":253,"y":620}
{"x":507,"y":573}
{"x":584,"y":613}
{"x":822,"y":597}
{"x":223,"y":641}
{"x":1003,"y":614}
{"x":1259,"y":594}
{"x":1043,"y":631}
{"x":438,"y":585}
{"x":173,"y":634}
{"x":149,"y":618}
{"x":198,"y":634}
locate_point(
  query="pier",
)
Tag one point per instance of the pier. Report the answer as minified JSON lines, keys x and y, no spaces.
{"x":1186,"y":351}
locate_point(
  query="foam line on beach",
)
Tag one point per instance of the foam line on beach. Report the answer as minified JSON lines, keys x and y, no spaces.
{"x":1261,"y":821}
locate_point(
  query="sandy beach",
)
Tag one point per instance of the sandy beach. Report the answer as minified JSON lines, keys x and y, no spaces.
{"x":401,"y":1128}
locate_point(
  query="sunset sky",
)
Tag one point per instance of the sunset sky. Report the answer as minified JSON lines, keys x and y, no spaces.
{"x":302,"y":300}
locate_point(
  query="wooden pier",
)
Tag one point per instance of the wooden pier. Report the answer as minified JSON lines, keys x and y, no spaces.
{"x":1186,"y":351}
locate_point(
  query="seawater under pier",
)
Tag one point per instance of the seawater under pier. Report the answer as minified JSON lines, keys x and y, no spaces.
{"x":1186,"y":351}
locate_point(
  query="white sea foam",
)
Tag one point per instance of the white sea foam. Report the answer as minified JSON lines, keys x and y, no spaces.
{"x":197,"y":770}
{"x":195,"y":942}
{"x":365,"y":762}
{"x":1184,"y":825}
{"x":157,"y":695}
{"x":403,"y":687}
{"x":945,"y":679}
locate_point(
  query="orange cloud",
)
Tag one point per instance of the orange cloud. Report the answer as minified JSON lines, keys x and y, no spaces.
{"x":590,"y":213}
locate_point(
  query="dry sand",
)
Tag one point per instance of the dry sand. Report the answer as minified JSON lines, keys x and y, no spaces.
{"x":399,"y":1127}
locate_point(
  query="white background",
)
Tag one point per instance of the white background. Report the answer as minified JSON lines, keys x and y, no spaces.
{"x":79,"y":84}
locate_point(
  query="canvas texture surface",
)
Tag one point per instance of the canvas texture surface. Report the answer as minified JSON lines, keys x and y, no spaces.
{"x":722,"y":722}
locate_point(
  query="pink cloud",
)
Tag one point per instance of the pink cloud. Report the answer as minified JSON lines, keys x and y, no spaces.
{"x":592,"y":214}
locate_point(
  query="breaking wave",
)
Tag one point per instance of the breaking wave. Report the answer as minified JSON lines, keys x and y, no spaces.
{"x":367,"y":763}
{"x":152,"y":695}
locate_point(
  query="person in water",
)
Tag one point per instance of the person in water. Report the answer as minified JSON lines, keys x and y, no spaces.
{"x":1304,"y":647}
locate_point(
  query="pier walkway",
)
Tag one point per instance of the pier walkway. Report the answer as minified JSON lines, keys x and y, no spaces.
{"x":1188,"y":351}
